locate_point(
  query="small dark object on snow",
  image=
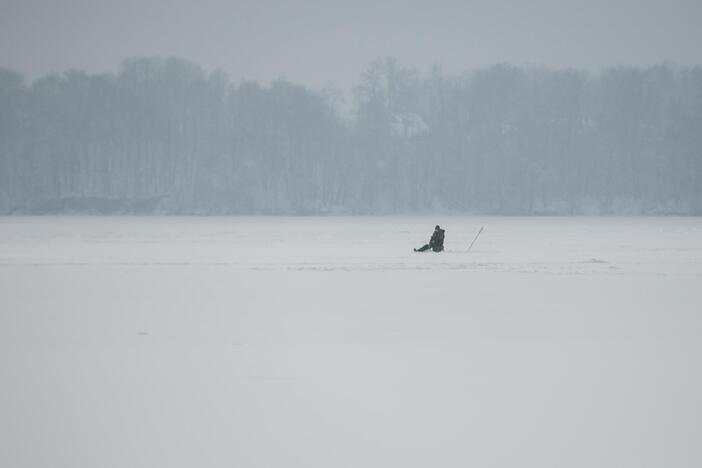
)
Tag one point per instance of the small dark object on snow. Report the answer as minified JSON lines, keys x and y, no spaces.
{"x":436,"y":243}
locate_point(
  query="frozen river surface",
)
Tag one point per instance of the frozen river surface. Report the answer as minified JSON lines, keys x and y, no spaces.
{"x":326,"y":342}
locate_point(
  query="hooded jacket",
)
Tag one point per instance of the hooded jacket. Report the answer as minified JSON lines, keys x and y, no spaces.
{"x":437,"y":240}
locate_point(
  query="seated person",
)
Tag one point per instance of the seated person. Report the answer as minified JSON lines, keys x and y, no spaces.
{"x":436,"y":243}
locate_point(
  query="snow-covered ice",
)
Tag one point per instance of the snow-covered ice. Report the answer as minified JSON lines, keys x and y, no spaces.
{"x":326,"y":342}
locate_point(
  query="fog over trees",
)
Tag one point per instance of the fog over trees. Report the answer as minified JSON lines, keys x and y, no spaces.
{"x":163,"y":136}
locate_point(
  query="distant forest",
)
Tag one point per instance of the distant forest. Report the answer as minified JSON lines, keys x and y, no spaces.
{"x":162,"y":136}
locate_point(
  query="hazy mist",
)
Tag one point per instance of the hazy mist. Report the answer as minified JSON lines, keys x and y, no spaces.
{"x":320,"y":107}
{"x":328,"y":43}
{"x":553,"y":321}
{"x":162,"y":136}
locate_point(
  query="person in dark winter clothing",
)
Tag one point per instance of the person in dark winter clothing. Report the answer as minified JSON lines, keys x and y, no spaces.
{"x":436,"y":243}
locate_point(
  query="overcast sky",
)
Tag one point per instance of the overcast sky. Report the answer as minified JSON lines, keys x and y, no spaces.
{"x":329,"y":43}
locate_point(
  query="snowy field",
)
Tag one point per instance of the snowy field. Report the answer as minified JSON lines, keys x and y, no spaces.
{"x":326,"y":342}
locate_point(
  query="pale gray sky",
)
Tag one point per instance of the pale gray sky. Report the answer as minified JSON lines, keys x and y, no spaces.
{"x":329,"y":43}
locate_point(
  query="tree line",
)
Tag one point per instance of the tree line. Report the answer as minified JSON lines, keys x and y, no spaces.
{"x":163,"y":136}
